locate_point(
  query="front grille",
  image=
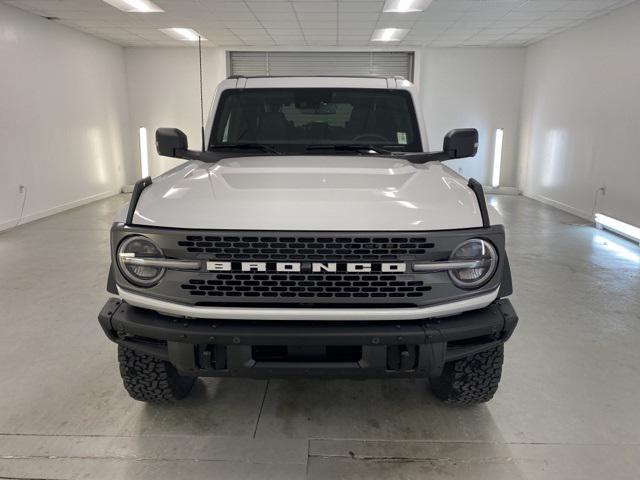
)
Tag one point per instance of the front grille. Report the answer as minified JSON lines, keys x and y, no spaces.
{"x":324,"y":288}
{"x":310,"y":248}
{"x":340,"y":286}
{"x":305,"y":287}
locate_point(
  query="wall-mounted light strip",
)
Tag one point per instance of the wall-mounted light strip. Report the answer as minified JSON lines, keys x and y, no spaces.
{"x":404,"y":6}
{"x":617,"y":226}
{"x":497,"y":158}
{"x":144,"y":153}
{"x":183,"y":34}
{"x":389,"y":34}
{"x":135,"y":6}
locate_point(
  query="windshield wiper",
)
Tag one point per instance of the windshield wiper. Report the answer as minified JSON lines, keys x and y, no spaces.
{"x":249,"y":146}
{"x":350,"y":148}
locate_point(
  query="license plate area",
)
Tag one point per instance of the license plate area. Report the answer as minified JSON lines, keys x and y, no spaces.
{"x":306,"y":353}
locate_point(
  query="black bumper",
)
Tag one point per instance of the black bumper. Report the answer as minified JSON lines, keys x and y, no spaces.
{"x":332,"y":349}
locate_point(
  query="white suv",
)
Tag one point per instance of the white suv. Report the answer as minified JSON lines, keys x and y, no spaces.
{"x":314,"y":235}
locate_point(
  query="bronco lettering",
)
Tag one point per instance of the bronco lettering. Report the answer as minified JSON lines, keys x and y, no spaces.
{"x":315,"y":267}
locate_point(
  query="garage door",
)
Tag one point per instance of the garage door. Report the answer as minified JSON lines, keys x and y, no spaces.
{"x":321,"y":63}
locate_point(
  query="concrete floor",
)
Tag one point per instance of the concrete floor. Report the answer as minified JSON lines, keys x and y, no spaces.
{"x":567,"y":408}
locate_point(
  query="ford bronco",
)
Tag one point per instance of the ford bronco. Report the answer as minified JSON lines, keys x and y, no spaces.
{"x":313,"y":235}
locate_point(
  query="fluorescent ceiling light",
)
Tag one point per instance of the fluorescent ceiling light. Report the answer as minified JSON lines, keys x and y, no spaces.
{"x":144,"y":153}
{"x":497,"y":158}
{"x":617,"y":226}
{"x":138,"y":6}
{"x":404,"y":6}
{"x":389,"y":34}
{"x":183,"y":34}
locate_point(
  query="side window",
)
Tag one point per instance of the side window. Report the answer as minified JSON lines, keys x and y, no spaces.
{"x":225,"y":134}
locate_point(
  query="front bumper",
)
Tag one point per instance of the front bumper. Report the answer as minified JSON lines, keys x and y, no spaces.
{"x":264,"y":349}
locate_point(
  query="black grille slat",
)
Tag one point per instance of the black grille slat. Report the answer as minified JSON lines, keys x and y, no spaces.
{"x":306,"y":286}
{"x":306,"y":248}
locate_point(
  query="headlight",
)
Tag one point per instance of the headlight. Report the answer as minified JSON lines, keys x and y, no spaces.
{"x":135,"y":258}
{"x":470,"y":250}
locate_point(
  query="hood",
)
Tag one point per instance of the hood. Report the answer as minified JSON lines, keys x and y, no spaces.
{"x":315,"y":192}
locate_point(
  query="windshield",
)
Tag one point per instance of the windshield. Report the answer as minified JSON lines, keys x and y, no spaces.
{"x":292,"y":120}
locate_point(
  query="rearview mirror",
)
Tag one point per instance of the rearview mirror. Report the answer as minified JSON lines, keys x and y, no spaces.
{"x":461,"y":143}
{"x":170,"y":141}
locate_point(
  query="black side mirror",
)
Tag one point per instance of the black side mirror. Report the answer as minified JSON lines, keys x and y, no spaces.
{"x":170,"y":142}
{"x":461,"y":143}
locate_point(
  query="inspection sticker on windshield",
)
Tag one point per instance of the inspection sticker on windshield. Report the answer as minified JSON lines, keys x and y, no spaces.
{"x":402,"y":138}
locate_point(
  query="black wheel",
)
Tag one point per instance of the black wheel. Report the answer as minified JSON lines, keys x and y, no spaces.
{"x":470,"y":380}
{"x":149,"y":379}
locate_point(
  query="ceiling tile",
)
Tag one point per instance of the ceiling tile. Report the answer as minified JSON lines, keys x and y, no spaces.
{"x":587,"y":5}
{"x":401,"y":17}
{"x":541,"y":5}
{"x":359,"y":6}
{"x":522,"y":15}
{"x":316,"y":7}
{"x":268,"y":6}
{"x":357,"y":17}
{"x":317,"y":17}
{"x":323,"y":22}
{"x":282,"y":16}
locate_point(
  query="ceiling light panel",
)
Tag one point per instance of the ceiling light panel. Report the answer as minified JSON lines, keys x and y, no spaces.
{"x":404,"y":6}
{"x":135,"y":6}
{"x":183,"y":34}
{"x":389,"y":34}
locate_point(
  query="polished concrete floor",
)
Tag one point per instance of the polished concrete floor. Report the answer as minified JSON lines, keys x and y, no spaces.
{"x":568,"y":406}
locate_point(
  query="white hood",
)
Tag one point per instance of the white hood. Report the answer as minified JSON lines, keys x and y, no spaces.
{"x":309,"y":193}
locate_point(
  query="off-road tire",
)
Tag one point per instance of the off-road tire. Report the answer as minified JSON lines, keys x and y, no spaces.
{"x":470,"y":380}
{"x":149,"y":379}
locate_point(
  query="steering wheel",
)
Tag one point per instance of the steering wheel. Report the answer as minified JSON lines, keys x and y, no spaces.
{"x":369,"y":137}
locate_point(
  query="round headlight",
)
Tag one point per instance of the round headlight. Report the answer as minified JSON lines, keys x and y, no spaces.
{"x":137,"y":247}
{"x":487,"y":260}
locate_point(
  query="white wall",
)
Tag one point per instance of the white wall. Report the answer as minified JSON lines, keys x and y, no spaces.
{"x":581,"y":117}
{"x":164,"y":91}
{"x":479,"y":88}
{"x":63,"y":117}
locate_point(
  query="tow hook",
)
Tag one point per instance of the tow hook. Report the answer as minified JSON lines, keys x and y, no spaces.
{"x":402,"y":357}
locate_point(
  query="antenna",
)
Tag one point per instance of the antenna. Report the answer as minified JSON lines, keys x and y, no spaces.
{"x":201,"y":100}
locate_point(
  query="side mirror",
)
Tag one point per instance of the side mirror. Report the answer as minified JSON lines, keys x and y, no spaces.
{"x":461,"y":143}
{"x":170,"y":142}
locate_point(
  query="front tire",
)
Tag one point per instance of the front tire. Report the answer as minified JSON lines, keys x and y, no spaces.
{"x":470,"y":380}
{"x":149,"y":379}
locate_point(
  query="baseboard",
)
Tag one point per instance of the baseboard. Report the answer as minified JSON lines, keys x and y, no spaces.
{"x":127,"y":189}
{"x":58,"y":209}
{"x":501,"y":190}
{"x":560,"y":206}
{"x":8,"y":224}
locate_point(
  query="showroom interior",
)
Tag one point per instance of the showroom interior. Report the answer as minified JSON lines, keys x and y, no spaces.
{"x":552,"y":87}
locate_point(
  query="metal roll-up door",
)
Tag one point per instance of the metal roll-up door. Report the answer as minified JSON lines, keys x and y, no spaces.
{"x":392,"y":63}
{"x":248,"y":64}
{"x":321,"y":63}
